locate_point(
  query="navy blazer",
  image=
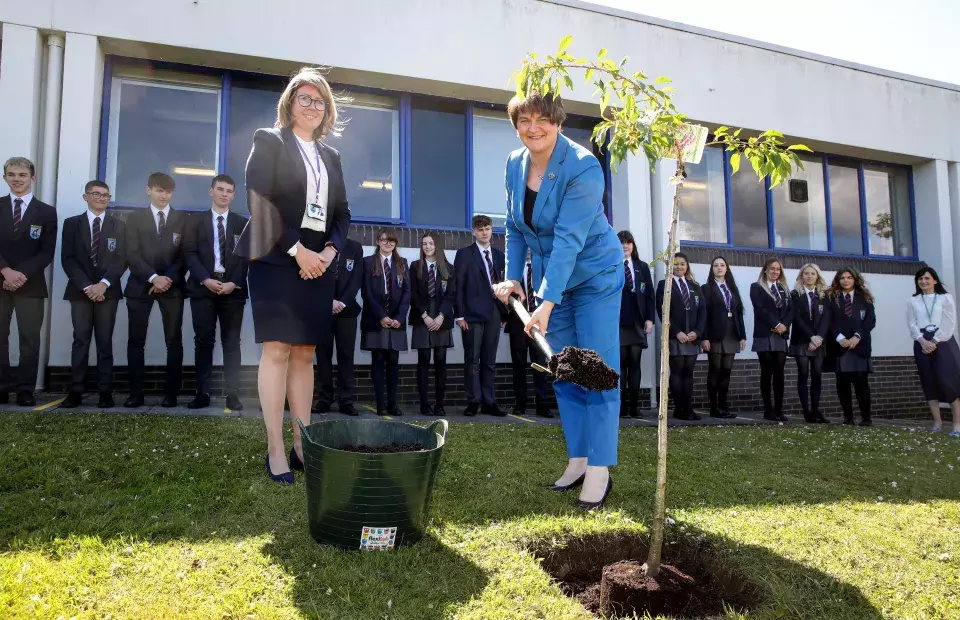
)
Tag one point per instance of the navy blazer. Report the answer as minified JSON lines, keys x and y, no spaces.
{"x":277,"y":181}
{"x":475,"y":302}
{"x":75,"y":256}
{"x":571,"y":239}
{"x":198,"y":252}
{"x":716,"y":308}
{"x":766,"y":315}
{"x":373,"y":297}
{"x":683,"y":319}
{"x":803,"y":327}
{"x":31,"y":249}
{"x":349,"y":278}
{"x":420,"y":301}
{"x":644,"y":291}
{"x":862,"y":322}
{"x":147,"y":255}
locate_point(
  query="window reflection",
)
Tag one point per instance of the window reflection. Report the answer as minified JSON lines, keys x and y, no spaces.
{"x":845,"y":208}
{"x":888,"y":210}
{"x":438,"y":163}
{"x":802,"y":224}
{"x":748,"y":204}
{"x":703,"y":207}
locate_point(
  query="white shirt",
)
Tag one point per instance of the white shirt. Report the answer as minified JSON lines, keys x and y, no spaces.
{"x":156,"y":224}
{"x":942,"y":314}
{"x":90,"y":217}
{"x":26,"y":198}
{"x":686,"y":283}
{"x":217,"y":259}
{"x":310,"y":155}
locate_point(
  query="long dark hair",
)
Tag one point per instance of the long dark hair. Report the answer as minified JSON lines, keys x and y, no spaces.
{"x":443,"y":267}
{"x":937,"y":288}
{"x":859,"y":286}
{"x":399,"y":267}
{"x":625,"y":236}
{"x":730,"y":281}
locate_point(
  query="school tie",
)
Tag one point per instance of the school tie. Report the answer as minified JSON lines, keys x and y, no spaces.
{"x":776,"y":295}
{"x":628,"y":272}
{"x":95,"y":242}
{"x":531,"y":302}
{"x":222,"y":241}
{"x":17,"y":214}
{"x":490,"y":270}
{"x":847,"y":305}
{"x":810,"y":303}
{"x":432,"y":281}
{"x":388,"y":276}
{"x":161,"y":223}
{"x":685,"y":294}
{"x":726,"y":295}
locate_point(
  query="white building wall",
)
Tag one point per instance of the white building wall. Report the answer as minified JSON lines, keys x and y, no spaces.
{"x":934,"y":220}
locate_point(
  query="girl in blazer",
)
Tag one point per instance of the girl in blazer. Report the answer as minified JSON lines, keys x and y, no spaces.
{"x":687,"y":320}
{"x":383,"y":324}
{"x":637,"y":314}
{"x":932,"y":320}
{"x":772,"y":316}
{"x":810,"y":325}
{"x":431,"y":315}
{"x":724,"y":333}
{"x":852,"y":318}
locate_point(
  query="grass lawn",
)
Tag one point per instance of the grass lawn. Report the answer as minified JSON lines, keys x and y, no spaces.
{"x":172,"y":517}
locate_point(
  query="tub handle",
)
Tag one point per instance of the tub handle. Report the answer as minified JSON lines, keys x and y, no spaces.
{"x":303,"y":431}
{"x":444,"y":425}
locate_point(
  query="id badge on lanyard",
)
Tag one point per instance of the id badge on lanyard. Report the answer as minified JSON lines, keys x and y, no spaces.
{"x":316,"y":214}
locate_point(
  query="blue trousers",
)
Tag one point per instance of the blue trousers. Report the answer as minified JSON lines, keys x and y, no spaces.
{"x":588,"y":317}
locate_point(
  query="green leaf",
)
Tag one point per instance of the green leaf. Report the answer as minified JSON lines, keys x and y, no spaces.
{"x":735,"y":162}
{"x":568,"y":82}
{"x":565,"y":42}
{"x":603,"y":52}
{"x":662,"y":80}
{"x":736,"y":134}
{"x":588,"y":74}
{"x":605,"y":101}
{"x":799,"y":147}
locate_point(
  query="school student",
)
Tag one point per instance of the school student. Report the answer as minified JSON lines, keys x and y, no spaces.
{"x":932,"y":321}
{"x":810,"y":325}
{"x":637,"y":314}
{"x":724,"y":334}
{"x":92,"y":255}
{"x":28,"y":236}
{"x":852,"y":318}
{"x":772,"y":316}
{"x":480,"y":315}
{"x":217,"y":288}
{"x":431,"y":315}
{"x":157,"y":269}
{"x":386,"y":302}
{"x":687,"y":320}
{"x":346,"y":311}
{"x":521,"y":346}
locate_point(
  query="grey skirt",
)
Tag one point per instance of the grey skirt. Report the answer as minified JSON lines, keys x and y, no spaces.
{"x":771,"y":343}
{"x":386,"y":339}
{"x":684,"y":348}
{"x":851,"y":362}
{"x":801,"y":350}
{"x":730,"y":344}
{"x":423,"y":338}
{"x":633,"y":334}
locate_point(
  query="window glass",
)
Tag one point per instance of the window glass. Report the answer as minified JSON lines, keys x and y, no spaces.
{"x":438,"y":164}
{"x":253,"y":105}
{"x":493,"y":140}
{"x":845,"y":207}
{"x":887,"y":191}
{"x":703,"y":207}
{"x":748,"y":203}
{"x":801,"y":221}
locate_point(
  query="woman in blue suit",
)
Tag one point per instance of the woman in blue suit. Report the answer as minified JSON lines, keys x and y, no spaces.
{"x":554,"y":208}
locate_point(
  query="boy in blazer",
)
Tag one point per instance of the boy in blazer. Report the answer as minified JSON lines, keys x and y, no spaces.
{"x":480,"y":315}
{"x":217,"y":288}
{"x":28,"y":236}
{"x":346,"y":310}
{"x":520,"y":345}
{"x":92,"y":255}
{"x":157,"y":269}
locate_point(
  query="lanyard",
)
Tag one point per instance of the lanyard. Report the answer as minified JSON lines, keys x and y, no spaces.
{"x":929,"y":310}
{"x":315,"y":173}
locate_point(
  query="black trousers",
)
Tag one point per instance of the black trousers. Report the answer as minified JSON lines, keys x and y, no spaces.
{"x":858,"y":381}
{"x":810,"y":369}
{"x":206,"y":312}
{"x":480,"y":359}
{"x":385,"y":368}
{"x":171,"y":313}
{"x":440,"y":375}
{"x":630,"y":356}
{"x":29,"y":321}
{"x":718,"y":378}
{"x":771,"y":375}
{"x":345,"y":339}
{"x":520,"y":346}
{"x":681,"y":381}
{"x":92,"y":319}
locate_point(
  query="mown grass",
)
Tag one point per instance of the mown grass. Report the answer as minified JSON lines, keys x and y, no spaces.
{"x":163,"y":517}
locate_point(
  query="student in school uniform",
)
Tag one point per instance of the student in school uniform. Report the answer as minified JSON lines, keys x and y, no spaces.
{"x":431,"y":316}
{"x":28,"y":236}
{"x":346,"y":312}
{"x":688,"y":317}
{"x":383,"y":326}
{"x":217,"y":288}
{"x":849,"y":343}
{"x":810,"y":325}
{"x":772,"y":317}
{"x":480,"y":316}
{"x":520,"y":346}
{"x":724,"y":334}
{"x":932,"y":320}
{"x":92,"y":255}
{"x":637,"y":314}
{"x":157,"y":270}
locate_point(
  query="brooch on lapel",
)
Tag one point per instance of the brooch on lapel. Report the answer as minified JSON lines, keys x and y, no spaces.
{"x":111,"y":244}
{"x":551,"y":176}
{"x":35,"y":230}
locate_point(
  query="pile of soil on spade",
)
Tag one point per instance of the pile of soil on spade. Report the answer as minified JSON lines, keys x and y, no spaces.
{"x":386,"y":449}
{"x":585,"y":368}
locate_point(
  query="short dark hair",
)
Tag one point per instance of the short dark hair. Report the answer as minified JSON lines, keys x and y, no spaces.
{"x":95,"y":183}
{"x":479,"y":221}
{"x":549,"y":106}
{"x":222,"y":178}
{"x":162,"y":180}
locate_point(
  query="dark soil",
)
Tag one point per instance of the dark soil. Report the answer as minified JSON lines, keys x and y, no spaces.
{"x":386,"y":449}
{"x":585,"y":368}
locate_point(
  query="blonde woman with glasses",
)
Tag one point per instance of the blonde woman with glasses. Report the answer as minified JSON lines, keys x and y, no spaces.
{"x":810,"y":325}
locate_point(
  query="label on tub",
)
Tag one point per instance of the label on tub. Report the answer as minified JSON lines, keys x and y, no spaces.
{"x":378,"y":538}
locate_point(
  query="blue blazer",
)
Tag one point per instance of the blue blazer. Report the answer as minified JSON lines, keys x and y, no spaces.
{"x":571,"y":239}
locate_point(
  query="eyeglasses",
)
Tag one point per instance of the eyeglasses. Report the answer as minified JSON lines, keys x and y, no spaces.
{"x":99,"y":195}
{"x":306,"y":101}
{"x":384,"y":240}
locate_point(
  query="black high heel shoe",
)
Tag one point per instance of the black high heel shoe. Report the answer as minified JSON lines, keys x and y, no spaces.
{"x":560,"y":488}
{"x":286,"y":478}
{"x":295,"y":462}
{"x":594,"y":505}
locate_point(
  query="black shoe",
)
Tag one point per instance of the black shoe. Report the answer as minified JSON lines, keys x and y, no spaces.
{"x":286,"y":478}
{"x":395,"y":411}
{"x":4,"y":397}
{"x":680,"y":415}
{"x":169,"y":401}
{"x":770,"y":416}
{"x":439,"y":410}
{"x":594,"y":505}
{"x":493,"y":410}
{"x":727,"y":413}
{"x":820,"y":419}
{"x":848,"y":422}
{"x":866,"y":422}
{"x":320,"y":407}
{"x":381,"y":411}
{"x":560,"y":488}
{"x":471,"y":409}
{"x":782,"y":418}
{"x":26,"y":399}
{"x":690,"y":416}
{"x":295,"y":462}
{"x":106,"y":400}
{"x":715,"y":413}
{"x":200,"y":401}
{"x":348,"y":410}
{"x":233,"y":403}
{"x":73,"y":399}
{"x":722,"y":414}
{"x":426,"y":410}
{"x":624,"y":404}
{"x":519,"y":411}
{"x":133,"y":401}
{"x":544,"y":411}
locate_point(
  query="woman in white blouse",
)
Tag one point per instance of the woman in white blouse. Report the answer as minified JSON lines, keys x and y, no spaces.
{"x":932,"y":319}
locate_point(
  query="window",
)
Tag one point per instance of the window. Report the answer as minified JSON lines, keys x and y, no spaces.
{"x":493,"y":139}
{"x":703,"y":205}
{"x":800,"y":209}
{"x":748,"y":205}
{"x":253,"y":105}
{"x":889,"y":226}
{"x":162,"y":121}
{"x":845,"y":207}
{"x":438,"y":163}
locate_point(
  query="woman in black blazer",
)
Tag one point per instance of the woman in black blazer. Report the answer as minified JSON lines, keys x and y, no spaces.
{"x":637,"y":314}
{"x":383,"y":324}
{"x":687,"y":319}
{"x":810,"y":323}
{"x":299,"y":221}
{"x":431,"y":316}
{"x":849,"y":345}
{"x":724,"y":334}
{"x":772,"y":316}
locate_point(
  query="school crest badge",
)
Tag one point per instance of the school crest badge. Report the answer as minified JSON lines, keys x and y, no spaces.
{"x":35,"y":230}
{"x":111,"y":244}
{"x":643,"y":287}
{"x":176,"y":238}
{"x":863,"y":314}
{"x":443,"y":285}
{"x":349,"y":264}
{"x":236,"y":240}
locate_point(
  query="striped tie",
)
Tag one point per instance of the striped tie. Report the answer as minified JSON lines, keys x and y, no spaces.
{"x":628,"y":273}
{"x":490,"y":269}
{"x":776,"y":295}
{"x":388,"y":276}
{"x":847,"y":305}
{"x":432,"y":281}
{"x":685,"y":294}
{"x":17,"y":214}
{"x":161,"y":224}
{"x":222,"y":241}
{"x":727,"y":297}
{"x":95,"y":242}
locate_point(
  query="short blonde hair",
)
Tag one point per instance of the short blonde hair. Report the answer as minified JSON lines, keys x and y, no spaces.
{"x":20,"y":162}
{"x":314,"y":77}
